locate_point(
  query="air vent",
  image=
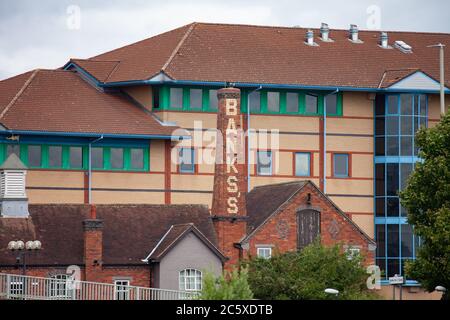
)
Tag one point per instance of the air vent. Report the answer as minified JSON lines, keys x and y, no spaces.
{"x":310,"y":39}
{"x":403,"y":46}
{"x":325,"y":33}
{"x":353,"y":34}
{"x":384,"y":41}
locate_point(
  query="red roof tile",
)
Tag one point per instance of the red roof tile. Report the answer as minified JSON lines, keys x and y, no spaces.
{"x":61,"y":101}
{"x":277,"y":55}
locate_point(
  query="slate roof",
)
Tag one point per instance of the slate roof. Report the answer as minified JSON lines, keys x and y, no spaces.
{"x":267,"y":55}
{"x":130,"y":232}
{"x":61,"y":101}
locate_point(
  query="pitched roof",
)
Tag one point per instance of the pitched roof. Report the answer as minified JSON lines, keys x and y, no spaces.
{"x":265,"y":201}
{"x":61,"y":101}
{"x":13,"y":162}
{"x":174,"y":235}
{"x":271,"y":55}
{"x":130,"y":232}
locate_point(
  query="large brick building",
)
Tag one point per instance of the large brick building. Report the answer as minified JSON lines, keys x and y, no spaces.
{"x":130,"y":127}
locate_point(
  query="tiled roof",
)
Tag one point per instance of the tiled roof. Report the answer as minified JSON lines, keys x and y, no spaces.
{"x":61,"y":101}
{"x":264,"y":200}
{"x":174,"y":235}
{"x":272,"y":55}
{"x":130,"y":232}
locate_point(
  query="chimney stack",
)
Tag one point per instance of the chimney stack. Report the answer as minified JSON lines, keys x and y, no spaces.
{"x":325,"y":32}
{"x":230,"y":179}
{"x":353,"y":33}
{"x":93,"y":246}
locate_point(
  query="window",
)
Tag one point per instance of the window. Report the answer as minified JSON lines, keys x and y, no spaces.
{"x":59,"y":286}
{"x":176,"y":98}
{"x":254,"y":101}
{"x":292,"y":102}
{"x":213,"y":100}
{"x":187,"y":163}
{"x":340,"y":165}
{"x":273,"y":101}
{"x":331,"y":103}
{"x":13,"y":148}
{"x":311,"y":105}
{"x":195,"y":99}
{"x":76,"y":157}
{"x":34,"y":156}
{"x":264,"y":252}
{"x":302,"y":164}
{"x":137,"y":159}
{"x":155,"y":94}
{"x":55,"y":156}
{"x":16,"y":290}
{"x":116,"y":158}
{"x":122,"y":289}
{"x":190,"y":280}
{"x":97,"y":158}
{"x":264,"y":163}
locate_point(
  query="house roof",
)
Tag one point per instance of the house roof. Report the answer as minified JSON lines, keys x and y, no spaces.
{"x":267,"y":55}
{"x":130,"y":232}
{"x":174,"y":235}
{"x":61,"y":101}
{"x":265,"y":201}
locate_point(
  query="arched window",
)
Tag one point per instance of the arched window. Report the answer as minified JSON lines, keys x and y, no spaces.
{"x":190,"y":280}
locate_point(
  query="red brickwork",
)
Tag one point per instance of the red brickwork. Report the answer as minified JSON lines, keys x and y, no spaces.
{"x":230,"y":180}
{"x":281,"y":229}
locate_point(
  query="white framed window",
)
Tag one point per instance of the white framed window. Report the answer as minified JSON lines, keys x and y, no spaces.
{"x":264,"y":252}
{"x":58,"y":286}
{"x":264,"y":163}
{"x":352,"y":252}
{"x":122,"y":289}
{"x":16,"y":290}
{"x":190,"y":280}
{"x":187,"y":160}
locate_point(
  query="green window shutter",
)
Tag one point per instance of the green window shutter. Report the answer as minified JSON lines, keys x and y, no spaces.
{"x":66,"y":157}
{"x":283,"y":102}
{"x":244,"y":100}
{"x":44,"y":151}
{"x":24,"y":154}
{"x":106,"y":158}
{"x":126,"y":159}
{"x":339,"y":106}
{"x":147,"y":159}
{"x":2,"y":153}
{"x":301,"y":102}
{"x":205,"y":100}
{"x":85,"y":157}
{"x":320,"y":101}
{"x":263,"y":99}
{"x":186,"y":98}
{"x":164,"y":97}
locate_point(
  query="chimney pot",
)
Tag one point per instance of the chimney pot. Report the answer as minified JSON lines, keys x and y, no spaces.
{"x":384,"y":40}
{"x":310,"y":37}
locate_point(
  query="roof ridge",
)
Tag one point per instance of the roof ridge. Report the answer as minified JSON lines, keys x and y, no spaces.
{"x":90,"y":60}
{"x":178,"y":46}
{"x":313,"y":28}
{"x":280,"y":184}
{"x":19,"y":93}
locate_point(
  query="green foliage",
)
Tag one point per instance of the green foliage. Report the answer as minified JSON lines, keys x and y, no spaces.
{"x":306,"y":274}
{"x":232,"y":286}
{"x":427,"y":199}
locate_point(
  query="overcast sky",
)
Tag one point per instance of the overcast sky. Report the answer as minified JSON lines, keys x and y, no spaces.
{"x":46,"y":33}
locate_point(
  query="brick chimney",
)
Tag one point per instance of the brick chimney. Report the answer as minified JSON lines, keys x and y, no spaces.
{"x":93,"y":246}
{"x":230,"y":180}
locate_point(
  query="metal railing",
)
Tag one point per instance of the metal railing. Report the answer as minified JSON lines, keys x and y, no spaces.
{"x":19,"y":287}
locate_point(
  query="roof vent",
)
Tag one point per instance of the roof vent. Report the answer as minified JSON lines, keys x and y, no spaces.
{"x":310,"y":38}
{"x":403,"y":46}
{"x":354,"y":34}
{"x":325,"y":33}
{"x":13,"y":197}
{"x":384,"y":41}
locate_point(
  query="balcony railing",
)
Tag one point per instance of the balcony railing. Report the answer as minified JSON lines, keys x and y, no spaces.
{"x":19,"y":287}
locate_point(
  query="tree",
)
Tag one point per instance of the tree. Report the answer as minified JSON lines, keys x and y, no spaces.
{"x":306,"y":274}
{"x":233,"y":286}
{"x":427,"y":200}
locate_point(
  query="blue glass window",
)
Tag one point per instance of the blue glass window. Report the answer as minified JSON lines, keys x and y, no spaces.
{"x":340,"y":165}
{"x":302,"y":164}
{"x":187,"y":163}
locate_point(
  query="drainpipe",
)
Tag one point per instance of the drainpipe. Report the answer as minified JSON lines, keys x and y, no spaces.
{"x":248,"y":136}
{"x":325,"y":139}
{"x":90,"y":168}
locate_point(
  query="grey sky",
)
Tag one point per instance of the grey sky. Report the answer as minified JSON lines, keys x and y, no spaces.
{"x":35,"y":34}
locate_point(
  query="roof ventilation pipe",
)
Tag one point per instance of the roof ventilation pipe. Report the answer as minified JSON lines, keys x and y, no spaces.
{"x":384,"y":43}
{"x":325,"y":32}
{"x":310,"y":38}
{"x":353,"y":33}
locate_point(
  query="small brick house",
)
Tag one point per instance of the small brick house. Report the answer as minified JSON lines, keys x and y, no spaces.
{"x":169,"y":246}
